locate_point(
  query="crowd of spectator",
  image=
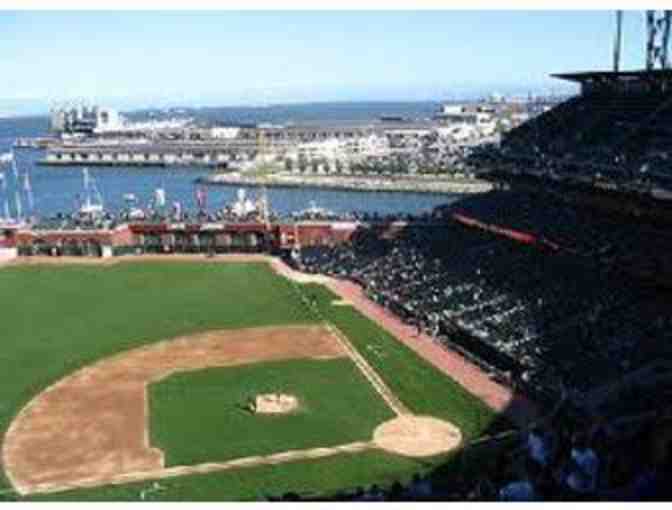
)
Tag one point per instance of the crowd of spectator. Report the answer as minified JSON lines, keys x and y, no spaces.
{"x":532,"y":316}
{"x":548,"y":215}
{"x":609,"y":136}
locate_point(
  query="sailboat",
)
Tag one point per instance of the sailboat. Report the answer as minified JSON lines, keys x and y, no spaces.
{"x":91,"y":207}
{"x":133,"y":212}
{"x":9,"y":160}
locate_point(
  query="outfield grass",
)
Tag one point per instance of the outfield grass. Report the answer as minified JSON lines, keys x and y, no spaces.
{"x":200,"y":416}
{"x":58,"y":319}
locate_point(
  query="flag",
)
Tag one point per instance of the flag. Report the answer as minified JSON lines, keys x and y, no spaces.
{"x":160,"y":197}
{"x":201,"y":198}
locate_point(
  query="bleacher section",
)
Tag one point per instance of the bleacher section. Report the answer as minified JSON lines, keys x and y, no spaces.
{"x":624,"y":136}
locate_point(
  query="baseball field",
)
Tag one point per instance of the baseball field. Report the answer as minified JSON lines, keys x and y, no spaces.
{"x":136,"y":380}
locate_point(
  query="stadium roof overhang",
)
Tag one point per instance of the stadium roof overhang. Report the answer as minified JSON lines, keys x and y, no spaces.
{"x":617,"y":77}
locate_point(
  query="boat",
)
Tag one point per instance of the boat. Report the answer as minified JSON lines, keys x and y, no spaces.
{"x":132,"y":211}
{"x":315,"y":212}
{"x":93,"y":206}
{"x":243,"y":206}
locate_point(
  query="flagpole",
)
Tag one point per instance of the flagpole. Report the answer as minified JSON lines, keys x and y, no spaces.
{"x":17,"y":194}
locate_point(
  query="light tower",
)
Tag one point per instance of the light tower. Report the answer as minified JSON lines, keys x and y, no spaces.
{"x":658,"y":39}
{"x":618,"y":43}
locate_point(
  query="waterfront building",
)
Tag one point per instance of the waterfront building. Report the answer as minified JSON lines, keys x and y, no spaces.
{"x":84,"y":119}
{"x":465,"y":120}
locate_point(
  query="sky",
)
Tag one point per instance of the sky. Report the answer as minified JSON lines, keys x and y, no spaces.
{"x":135,"y":59}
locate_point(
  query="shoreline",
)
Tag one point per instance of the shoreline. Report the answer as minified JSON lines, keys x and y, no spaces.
{"x":352,"y":183}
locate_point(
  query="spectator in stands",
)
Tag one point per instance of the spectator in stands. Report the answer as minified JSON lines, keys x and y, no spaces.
{"x":375,"y":493}
{"x":539,"y":446}
{"x":539,"y":443}
{"x":420,"y":488}
{"x":521,"y":489}
{"x":396,"y":492}
{"x":582,"y":470}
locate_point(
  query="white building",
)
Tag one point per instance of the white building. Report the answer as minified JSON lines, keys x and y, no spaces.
{"x":367,"y":146}
{"x":224,"y":132}
{"x":330,"y":149}
{"x":108,"y":119}
{"x":85,"y":119}
{"x":346,"y":150}
{"x":482,"y":122}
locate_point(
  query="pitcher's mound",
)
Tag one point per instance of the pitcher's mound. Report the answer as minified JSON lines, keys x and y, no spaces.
{"x":417,"y":436}
{"x":275,"y":403}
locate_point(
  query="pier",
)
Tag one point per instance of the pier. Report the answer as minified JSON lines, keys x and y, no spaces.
{"x":407,"y":184}
{"x":148,"y":154}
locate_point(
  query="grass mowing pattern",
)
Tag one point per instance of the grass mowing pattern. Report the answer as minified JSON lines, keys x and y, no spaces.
{"x":58,"y":319}
{"x":199,"y":416}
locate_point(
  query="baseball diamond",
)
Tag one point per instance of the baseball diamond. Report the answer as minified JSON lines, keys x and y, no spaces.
{"x":155,"y":385}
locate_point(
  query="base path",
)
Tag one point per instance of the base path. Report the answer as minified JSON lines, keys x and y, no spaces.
{"x":371,"y":375}
{"x":91,"y":427}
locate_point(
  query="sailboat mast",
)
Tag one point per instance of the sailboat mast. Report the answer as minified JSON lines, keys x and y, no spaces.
{"x":87,"y":192}
{"x":5,"y":195}
{"x":17,"y":193}
{"x":19,"y":210}
{"x":29,"y":193}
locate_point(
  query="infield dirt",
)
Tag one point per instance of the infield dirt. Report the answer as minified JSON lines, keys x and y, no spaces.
{"x":92,"y":426}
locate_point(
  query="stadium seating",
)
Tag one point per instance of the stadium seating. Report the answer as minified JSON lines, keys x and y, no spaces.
{"x":537,"y":316}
